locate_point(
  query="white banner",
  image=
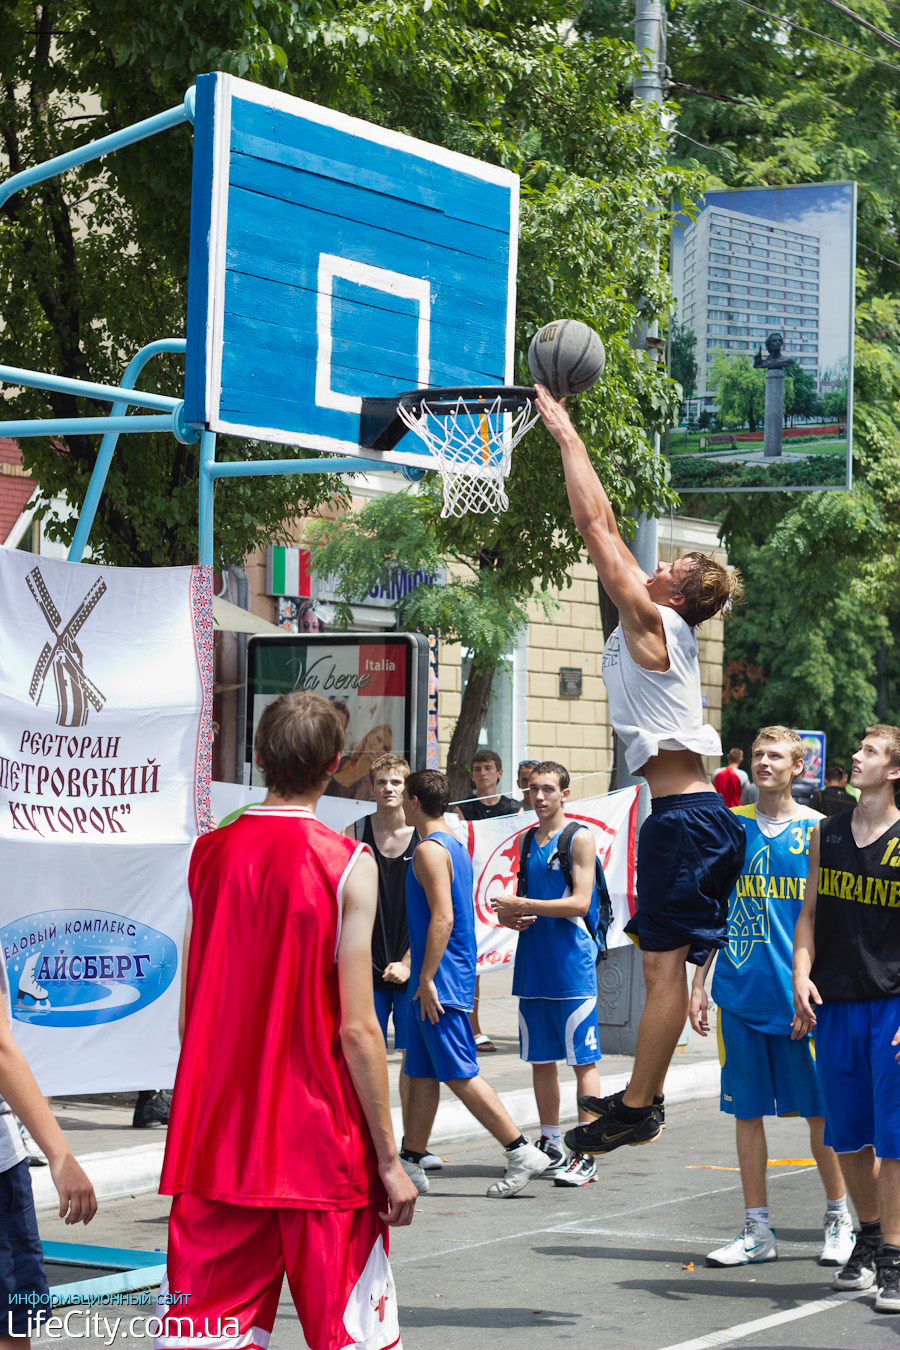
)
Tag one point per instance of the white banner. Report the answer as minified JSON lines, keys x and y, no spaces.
{"x":494,"y":848}
{"x":105,"y":757}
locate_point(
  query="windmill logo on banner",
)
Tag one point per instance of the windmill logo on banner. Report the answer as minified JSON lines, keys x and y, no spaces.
{"x":75,"y":693}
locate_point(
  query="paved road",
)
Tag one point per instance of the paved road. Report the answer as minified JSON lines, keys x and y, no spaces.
{"x":608,"y":1264}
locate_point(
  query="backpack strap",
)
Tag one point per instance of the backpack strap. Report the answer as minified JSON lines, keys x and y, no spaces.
{"x":564,"y":857}
{"x":524,"y":847}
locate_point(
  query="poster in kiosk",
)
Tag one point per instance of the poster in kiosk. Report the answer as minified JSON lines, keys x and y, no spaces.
{"x":378,"y":683}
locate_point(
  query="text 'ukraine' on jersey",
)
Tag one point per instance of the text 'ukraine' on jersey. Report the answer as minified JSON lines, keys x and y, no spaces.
{"x":857,"y":929}
{"x":753,"y":972}
{"x":555,"y":958}
{"x":455,"y":978}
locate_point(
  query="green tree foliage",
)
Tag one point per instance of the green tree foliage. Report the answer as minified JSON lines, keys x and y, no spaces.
{"x":740,"y":389}
{"x":683,"y":358}
{"x":94,"y":264}
{"x":804,"y":400}
{"x":760,"y":101}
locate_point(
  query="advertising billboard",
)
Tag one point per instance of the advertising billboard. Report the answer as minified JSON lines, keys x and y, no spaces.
{"x":378,"y":684}
{"x":762,"y":340}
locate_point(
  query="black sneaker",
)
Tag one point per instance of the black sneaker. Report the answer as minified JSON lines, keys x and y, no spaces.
{"x":859,"y":1272}
{"x":887,"y":1278}
{"x":599,"y":1106}
{"x":151,"y":1108}
{"x":611,"y":1131}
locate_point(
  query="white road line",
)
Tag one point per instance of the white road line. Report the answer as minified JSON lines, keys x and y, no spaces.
{"x":743,"y":1329}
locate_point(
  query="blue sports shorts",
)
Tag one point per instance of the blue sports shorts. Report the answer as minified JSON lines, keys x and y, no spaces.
{"x":444,"y":1051}
{"x":859,"y":1076}
{"x":393,"y":1000}
{"x":21,"y":1258}
{"x":690,"y":855}
{"x":765,"y":1074}
{"x":559,"y":1028}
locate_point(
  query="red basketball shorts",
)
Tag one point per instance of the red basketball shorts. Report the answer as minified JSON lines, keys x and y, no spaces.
{"x":226,"y":1264}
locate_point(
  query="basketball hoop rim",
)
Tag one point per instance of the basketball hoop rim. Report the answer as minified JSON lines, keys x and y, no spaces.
{"x":443,"y":401}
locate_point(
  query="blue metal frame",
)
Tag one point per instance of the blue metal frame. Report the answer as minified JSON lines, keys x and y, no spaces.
{"x":128,"y":1270}
{"x":166,"y":413}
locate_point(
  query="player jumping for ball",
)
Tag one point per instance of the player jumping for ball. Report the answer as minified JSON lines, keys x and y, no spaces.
{"x":691,"y":849}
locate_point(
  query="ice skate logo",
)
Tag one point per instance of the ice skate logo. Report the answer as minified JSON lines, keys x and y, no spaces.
{"x":381,"y":1305}
{"x":29,"y":989}
{"x":74,"y":691}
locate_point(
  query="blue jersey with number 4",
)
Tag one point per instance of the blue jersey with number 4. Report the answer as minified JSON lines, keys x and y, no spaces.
{"x":753,"y":973}
{"x":555,"y":958}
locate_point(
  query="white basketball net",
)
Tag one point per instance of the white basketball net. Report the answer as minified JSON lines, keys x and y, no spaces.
{"x":472,"y":449}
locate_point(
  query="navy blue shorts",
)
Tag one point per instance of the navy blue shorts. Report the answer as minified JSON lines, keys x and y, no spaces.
{"x":393,"y":1000}
{"x":21,"y":1258}
{"x":690,"y":855}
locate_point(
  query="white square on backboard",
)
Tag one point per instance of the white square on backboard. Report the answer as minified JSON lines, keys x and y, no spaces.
{"x":377,"y":279}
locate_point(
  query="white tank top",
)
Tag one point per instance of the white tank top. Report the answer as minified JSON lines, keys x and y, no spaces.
{"x":655,"y":710}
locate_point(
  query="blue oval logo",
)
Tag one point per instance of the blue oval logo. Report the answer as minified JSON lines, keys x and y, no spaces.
{"x":83,"y":967}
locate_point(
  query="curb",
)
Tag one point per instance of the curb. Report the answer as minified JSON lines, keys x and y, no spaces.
{"x":134,"y":1171}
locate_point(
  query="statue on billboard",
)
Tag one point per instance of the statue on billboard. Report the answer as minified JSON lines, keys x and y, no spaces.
{"x":774,"y":365}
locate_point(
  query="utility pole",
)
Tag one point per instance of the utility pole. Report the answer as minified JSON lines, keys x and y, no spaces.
{"x":620,"y":984}
{"x":650,"y":40}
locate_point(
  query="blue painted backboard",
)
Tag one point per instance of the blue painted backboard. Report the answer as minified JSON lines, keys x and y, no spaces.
{"x":332,"y":259}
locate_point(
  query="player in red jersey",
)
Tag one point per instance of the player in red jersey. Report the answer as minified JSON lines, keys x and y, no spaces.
{"x":280,"y":1152}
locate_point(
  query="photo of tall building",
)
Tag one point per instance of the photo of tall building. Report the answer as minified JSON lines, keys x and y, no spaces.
{"x":742,"y":278}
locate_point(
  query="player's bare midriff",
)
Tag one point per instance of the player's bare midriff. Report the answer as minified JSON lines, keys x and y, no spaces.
{"x":673,"y":772}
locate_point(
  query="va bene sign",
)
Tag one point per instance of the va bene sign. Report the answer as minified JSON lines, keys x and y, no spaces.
{"x":378,"y":685}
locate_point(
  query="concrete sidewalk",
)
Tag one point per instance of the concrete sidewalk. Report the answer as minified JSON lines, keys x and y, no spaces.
{"x":124,"y":1161}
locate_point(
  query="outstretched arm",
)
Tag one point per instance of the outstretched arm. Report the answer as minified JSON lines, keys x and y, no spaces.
{"x":624,"y":581}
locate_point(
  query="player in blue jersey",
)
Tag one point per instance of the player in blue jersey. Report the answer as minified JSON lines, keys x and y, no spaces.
{"x":764,"y":1072}
{"x":440,"y":1046}
{"x":555,"y":975}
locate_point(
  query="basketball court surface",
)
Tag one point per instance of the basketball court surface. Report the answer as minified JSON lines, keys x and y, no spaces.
{"x":618,"y":1263}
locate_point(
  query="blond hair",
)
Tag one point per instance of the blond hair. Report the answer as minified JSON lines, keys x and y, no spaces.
{"x":787,"y":736}
{"x":891,"y":735}
{"x":384,"y":763}
{"x":708,"y":587}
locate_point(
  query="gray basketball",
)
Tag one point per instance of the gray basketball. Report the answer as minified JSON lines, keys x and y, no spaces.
{"x":566,"y":356}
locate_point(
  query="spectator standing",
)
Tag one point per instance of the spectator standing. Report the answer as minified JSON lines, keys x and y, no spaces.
{"x":487,"y":770}
{"x":764,"y":1071}
{"x":392,"y":842}
{"x":555,"y":975}
{"x":441,"y":1046}
{"x":833,"y":798}
{"x":847,"y":986}
{"x":523,"y":780}
{"x":281,"y":1049}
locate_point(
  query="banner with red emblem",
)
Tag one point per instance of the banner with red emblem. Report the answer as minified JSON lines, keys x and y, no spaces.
{"x":494,"y":849}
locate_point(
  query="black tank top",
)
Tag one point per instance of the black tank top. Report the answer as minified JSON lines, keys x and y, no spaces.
{"x":857,"y":932}
{"x":390,"y":936}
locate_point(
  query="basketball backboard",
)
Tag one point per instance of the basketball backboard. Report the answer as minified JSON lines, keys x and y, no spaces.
{"x":333,"y":259}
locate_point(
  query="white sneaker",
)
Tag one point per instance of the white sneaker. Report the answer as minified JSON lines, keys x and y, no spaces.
{"x":416,"y":1174}
{"x":839,"y":1239}
{"x":432,"y":1163}
{"x":755,"y":1244}
{"x":525,"y":1162}
{"x":580,"y":1169}
{"x":557,"y":1158}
